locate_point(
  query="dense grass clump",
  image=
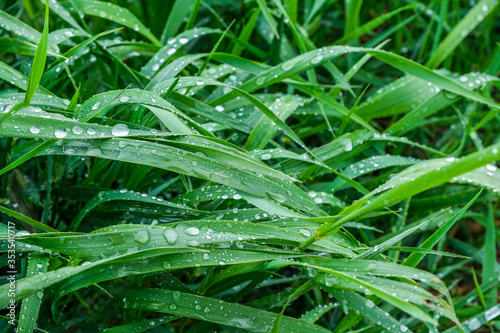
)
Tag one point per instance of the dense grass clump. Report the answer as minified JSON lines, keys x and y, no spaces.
{"x":262,"y":166}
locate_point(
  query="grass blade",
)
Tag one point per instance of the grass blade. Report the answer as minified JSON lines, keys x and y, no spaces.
{"x":415,"y":258}
{"x":31,"y":305}
{"x":179,"y":303}
{"x":39,"y":61}
{"x":470,"y":21}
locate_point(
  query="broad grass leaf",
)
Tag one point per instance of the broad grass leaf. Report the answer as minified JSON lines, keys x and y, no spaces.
{"x":115,"y":13}
{"x":212,"y":310}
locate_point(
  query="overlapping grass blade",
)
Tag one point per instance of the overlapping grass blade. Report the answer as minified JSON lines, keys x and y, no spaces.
{"x":426,"y":180}
{"x":113,"y":12}
{"x":414,"y":258}
{"x":473,"y":18}
{"x":39,"y":61}
{"x":212,"y":310}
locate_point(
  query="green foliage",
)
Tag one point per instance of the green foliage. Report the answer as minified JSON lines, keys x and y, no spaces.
{"x":263,"y":166}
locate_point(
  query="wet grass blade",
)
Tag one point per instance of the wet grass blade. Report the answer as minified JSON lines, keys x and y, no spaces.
{"x":426,"y":180}
{"x":39,"y":61}
{"x":32,"y":153}
{"x":269,"y":17}
{"x":369,"y":26}
{"x":470,"y":21}
{"x":120,"y":15}
{"x":26,"y":220}
{"x":490,"y":258}
{"x":212,"y":310}
{"x":415,"y":258}
{"x":31,"y":305}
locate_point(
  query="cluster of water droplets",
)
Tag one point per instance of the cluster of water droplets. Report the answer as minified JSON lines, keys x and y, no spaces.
{"x":170,"y":48}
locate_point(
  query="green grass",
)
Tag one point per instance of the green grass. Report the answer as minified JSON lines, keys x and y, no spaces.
{"x":262,"y":166}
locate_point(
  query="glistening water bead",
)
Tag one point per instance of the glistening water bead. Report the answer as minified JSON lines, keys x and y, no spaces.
{"x":120,"y":130}
{"x":266,"y":156}
{"x":96,"y":105}
{"x":60,"y":133}
{"x":77,"y":129}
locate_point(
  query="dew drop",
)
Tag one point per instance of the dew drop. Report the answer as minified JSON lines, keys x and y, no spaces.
{"x":192,"y":231}
{"x":120,"y":130}
{"x":142,"y":236}
{"x":492,"y":313}
{"x":491,"y":167}
{"x":124,"y":99}
{"x":317,"y":59}
{"x":287,"y":65}
{"x":60,"y":133}
{"x":369,"y":303}
{"x":347,"y":145}
{"x":183,"y":40}
{"x":77,"y":129}
{"x":96,"y":105}
{"x":305,"y":232}
{"x":266,"y":156}
{"x":94,"y":151}
{"x":35,"y":129}
{"x":171,"y":236}
{"x":276,"y":196}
